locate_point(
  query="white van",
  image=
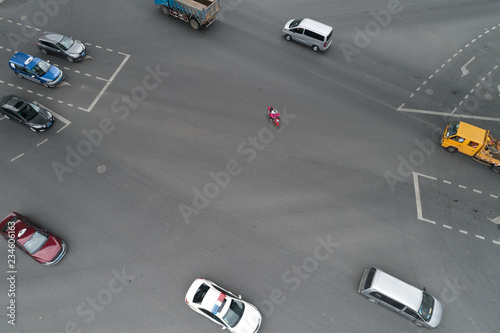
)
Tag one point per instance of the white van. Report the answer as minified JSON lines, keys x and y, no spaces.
{"x":411,"y":302}
{"x":312,"y":33}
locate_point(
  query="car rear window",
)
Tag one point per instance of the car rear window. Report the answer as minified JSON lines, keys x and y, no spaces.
{"x":200,"y":294}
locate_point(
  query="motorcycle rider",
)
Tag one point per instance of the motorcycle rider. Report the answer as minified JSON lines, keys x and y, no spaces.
{"x":273,"y":113}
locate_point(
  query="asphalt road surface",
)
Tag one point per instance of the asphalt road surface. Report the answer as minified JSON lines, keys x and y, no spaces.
{"x":162,"y":167}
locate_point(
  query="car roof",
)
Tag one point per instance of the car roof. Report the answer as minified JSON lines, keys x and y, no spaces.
{"x":12,"y":102}
{"x":471,"y":132}
{"x":22,"y":229}
{"x":397,"y":289}
{"x":21,"y":58}
{"x":51,"y":36}
{"x":316,"y":26}
{"x":212,"y":299}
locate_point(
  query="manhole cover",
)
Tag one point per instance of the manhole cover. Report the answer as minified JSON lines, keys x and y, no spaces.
{"x":489,"y":97}
{"x":101,"y":168}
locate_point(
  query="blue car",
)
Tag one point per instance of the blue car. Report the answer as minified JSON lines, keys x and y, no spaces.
{"x":36,"y":70}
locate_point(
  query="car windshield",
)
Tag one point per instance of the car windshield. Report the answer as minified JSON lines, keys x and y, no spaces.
{"x":452,"y":130}
{"x":295,"y":23}
{"x":36,"y":242}
{"x":65,"y":43}
{"x":29,"y":112}
{"x":41,"y":68}
{"x":427,"y":306}
{"x":234,"y":313}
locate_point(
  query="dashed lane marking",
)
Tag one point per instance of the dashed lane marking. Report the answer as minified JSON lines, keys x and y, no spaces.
{"x":419,"y":204}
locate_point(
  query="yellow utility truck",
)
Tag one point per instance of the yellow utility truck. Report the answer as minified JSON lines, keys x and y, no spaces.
{"x":472,"y":141}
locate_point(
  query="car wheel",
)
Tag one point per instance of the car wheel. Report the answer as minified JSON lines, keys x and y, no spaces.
{"x":495,"y":169}
{"x":22,"y":77}
{"x":418,"y":324}
{"x":70,"y":59}
{"x":372,"y":300}
{"x":451,"y":149}
{"x":165,"y":11}
{"x":46,"y":85}
{"x":288,"y":37}
{"x":6,"y":116}
{"x":315,"y":48}
{"x":43,"y":51}
{"x":34,"y":130}
{"x":194,"y":24}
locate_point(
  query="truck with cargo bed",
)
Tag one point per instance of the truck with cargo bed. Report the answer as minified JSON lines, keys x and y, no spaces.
{"x":473,"y":141}
{"x":197,"y":13}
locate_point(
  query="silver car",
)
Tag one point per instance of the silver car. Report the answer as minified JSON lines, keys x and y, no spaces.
{"x":62,"y":46}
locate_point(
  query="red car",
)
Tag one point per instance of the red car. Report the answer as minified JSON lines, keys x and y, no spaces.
{"x":37,"y":242}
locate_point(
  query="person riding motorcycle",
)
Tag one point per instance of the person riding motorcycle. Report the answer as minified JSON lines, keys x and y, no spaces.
{"x":273,"y":113}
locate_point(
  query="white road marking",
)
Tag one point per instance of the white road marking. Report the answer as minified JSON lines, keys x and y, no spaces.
{"x":41,"y":143}
{"x":496,"y":220}
{"x":419,"y":205}
{"x":61,"y":118}
{"x":417,"y":197}
{"x":107,"y":83}
{"x":18,"y":156}
{"x":438,"y":113}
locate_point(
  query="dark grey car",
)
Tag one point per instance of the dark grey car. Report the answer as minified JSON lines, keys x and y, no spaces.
{"x":63,"y":46}
{"x":17,"y":108}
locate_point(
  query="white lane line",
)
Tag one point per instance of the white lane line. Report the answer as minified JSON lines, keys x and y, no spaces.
{"x":18,"y":156}
{"x":447,"y":226}
{"x":446,"y":182}
{"x":107,"y":83}
{"x":461,"y":186}
{"x":417,"y":196}
{"x":494,"y":196}
{"x":496,"y":242}
{"x":477,"y":191}
{"x":463,"y":231}
{"x":480,"y":237}
{"x":438,"y":113}
{"x":41,"y":143}
{"x":61,"y":118}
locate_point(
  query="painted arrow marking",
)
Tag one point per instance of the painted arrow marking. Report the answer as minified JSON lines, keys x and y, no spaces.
{"x":465,"y":71}
{"x":496,"y":220}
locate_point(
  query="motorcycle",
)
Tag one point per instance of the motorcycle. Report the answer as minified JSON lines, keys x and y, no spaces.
{"x":274,"y":116}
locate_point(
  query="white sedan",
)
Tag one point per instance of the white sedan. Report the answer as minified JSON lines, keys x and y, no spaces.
{"x":223,"y":307}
